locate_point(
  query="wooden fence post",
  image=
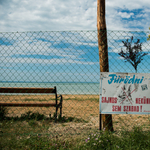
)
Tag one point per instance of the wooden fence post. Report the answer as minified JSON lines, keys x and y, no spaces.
{"x":103,"y":55}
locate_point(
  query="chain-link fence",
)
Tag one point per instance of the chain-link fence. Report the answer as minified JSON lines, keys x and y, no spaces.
{"x":68,"y":60}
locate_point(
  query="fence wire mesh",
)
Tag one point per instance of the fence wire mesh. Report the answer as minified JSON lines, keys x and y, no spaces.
{"x":68,"y":60}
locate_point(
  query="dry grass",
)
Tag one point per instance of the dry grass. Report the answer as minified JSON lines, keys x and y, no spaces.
{"x":84,"y":107}
{"x":80,"y":106}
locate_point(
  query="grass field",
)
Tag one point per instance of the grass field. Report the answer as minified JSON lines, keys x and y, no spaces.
{"x":33,"y":128}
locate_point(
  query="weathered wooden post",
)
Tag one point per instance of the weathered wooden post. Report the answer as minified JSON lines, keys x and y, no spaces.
{"x":103,"y":55}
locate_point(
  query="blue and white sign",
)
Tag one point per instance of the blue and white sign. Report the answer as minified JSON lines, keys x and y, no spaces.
{"x":124,"y":93}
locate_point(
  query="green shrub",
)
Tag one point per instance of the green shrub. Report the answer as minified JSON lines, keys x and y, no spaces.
{"x":3,"y":112}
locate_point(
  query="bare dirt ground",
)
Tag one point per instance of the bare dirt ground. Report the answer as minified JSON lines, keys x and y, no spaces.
{"x":85,"y":107}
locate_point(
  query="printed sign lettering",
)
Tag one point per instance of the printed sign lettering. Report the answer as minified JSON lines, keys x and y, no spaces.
{"x":123,"y":93}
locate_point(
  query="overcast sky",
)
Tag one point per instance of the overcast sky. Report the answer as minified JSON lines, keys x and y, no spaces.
{"x":64,"y":15}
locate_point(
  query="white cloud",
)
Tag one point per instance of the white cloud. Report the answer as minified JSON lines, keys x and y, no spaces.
{"x":47,"y":15}
{"x":134,"y":12}
{"x":56,"y":15}
{"x":125,"y":14}
{"x":44,"y":48}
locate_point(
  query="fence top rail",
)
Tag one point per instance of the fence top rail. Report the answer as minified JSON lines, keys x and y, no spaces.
{"x":27,"y":90}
